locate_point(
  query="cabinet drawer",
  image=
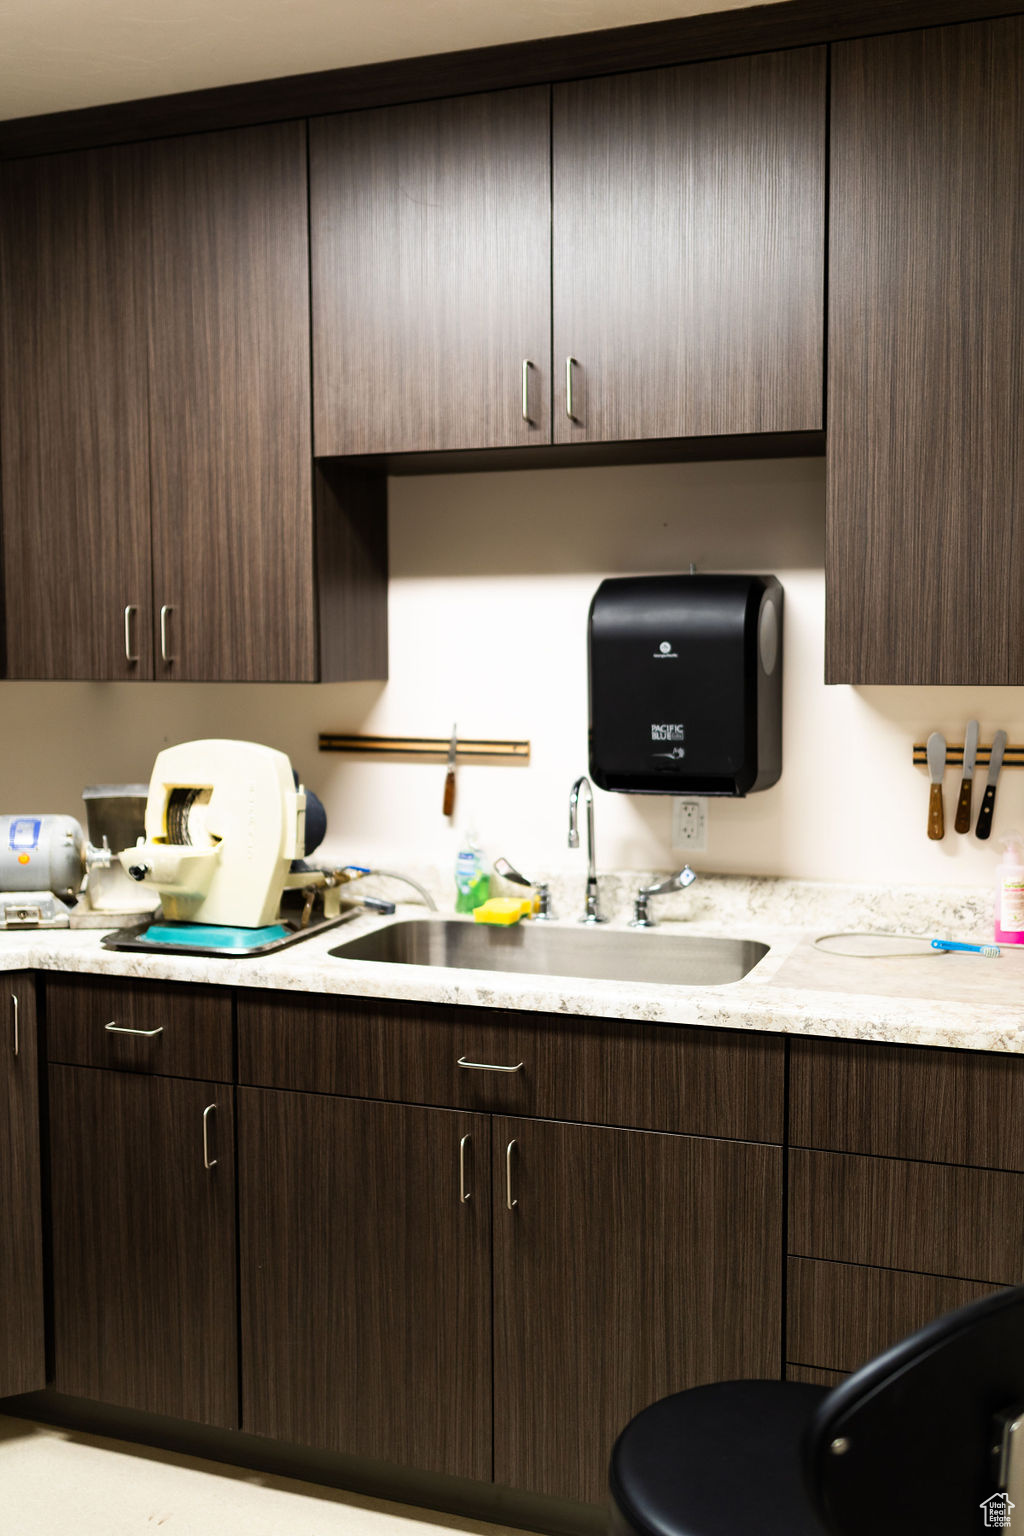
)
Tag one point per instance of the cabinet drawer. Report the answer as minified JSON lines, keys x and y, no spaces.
{"x":181,"y":1031}
{"x":841,"y":1315}
{"x":704,"y":1083}
{"x":967,"y":1222}
{"x":908,"y":1101}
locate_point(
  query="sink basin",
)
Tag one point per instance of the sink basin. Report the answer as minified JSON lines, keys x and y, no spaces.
{"x":539,"y":949}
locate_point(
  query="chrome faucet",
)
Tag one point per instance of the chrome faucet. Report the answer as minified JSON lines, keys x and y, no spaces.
{"x":591,"y":914}
{"x":641,"y":916}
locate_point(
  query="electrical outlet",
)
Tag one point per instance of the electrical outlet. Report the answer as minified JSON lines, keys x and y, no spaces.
{"x":690,"y":825}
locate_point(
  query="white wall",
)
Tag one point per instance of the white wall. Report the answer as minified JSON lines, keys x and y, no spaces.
{"x":491,"y":579}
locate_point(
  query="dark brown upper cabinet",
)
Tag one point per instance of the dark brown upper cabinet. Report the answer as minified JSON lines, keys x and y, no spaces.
{"x":925,"y":553}
{"x":688,"y":250}
{"x":229,"y":406}
{"x":74,"y":426}
{"x":161,"y":513}
{"x":431,"y":256}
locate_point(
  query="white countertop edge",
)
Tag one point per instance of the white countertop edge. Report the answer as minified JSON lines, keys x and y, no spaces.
{"x":743,"y":1005}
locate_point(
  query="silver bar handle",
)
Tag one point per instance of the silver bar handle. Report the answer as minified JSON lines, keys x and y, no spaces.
{"x":527,"y":365}
{"x":464,"y":1193}
{"x":14,"y":1022}
{"x":123,"y":1029}
{"x":164,"y":611}
{"x":131,"y":609}
{"x":509,"y":1201}
{"x":570,"y":363}
{"x":208,"y":1161}
{"x":486,"y":1066}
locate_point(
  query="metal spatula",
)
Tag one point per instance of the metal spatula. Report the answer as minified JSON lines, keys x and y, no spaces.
{"x":988,"y":800}
{"x":937,"y":769}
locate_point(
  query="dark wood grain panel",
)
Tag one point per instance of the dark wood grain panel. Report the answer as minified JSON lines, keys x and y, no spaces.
{"x":924,"y":553}
{"x":366,"y":1279}
{"x":632,"y":1265}
{"x":904,"y":1101}
{"x":196,"y":1036}
{"x":647,"y":45}
{"x":144,"y":1272}
{"x":73,"y":417}
{"x":22,"y":1344}
{"x":688,"y":249}
{"x":656,"y":450}
{"x":351,"y":567}
{"x":604,"y":1071}
{"x":229,"y":405}
{"x":965,"y":1222}
{"x":431,"y":250}
{"x":839,"y":1316}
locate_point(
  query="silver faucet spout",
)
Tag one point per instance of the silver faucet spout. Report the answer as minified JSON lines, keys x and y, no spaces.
{"x":591,"y":913}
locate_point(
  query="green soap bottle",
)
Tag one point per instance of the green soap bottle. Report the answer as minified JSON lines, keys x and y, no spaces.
{"x":472,"y":881}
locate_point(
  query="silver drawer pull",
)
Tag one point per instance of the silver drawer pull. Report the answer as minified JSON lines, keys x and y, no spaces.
{"x":510,"y":1203}
{"x":165,"y":611}
{"x":464,"y":1193}
{"x":527,"y":365}
{"x":122,"y":1029}
{"x":570,"y":411}
{"x":14,"y":1021}
{"x":208,"y":1161}
{"x":130,"y":654}
{"x":486,"y":1066}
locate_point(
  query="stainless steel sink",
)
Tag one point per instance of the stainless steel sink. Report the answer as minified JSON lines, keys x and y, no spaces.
{"x":539,"y":949}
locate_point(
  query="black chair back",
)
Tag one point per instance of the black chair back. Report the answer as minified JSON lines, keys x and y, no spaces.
{"x":908,"y":1443}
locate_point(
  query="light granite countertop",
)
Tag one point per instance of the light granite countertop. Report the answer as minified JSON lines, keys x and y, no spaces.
{"x":963,"y":1001}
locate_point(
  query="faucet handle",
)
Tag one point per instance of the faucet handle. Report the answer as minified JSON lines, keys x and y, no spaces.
{"x":685,"y":877}
{"x":543,"y":914}
{"x":641,"y":916}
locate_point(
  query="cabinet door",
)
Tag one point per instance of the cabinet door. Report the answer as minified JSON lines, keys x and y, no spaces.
{"x":431,"y":255}
{"x":229,"y":403}
{"x":688,"y":250}
{"x":366,"y":1298}
{"x":924,"y":555}
{"x":73,"y":422}
{"x":628,"y":1265}
{"x":22,"y":1350}
{"x":144,"y":1273}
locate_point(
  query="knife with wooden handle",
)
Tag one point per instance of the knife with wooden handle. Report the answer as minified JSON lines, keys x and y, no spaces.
{"x":937,"y":769}
{"x":988,"y":799}
{"x":963,"y":805}
{"x":448,"y":803}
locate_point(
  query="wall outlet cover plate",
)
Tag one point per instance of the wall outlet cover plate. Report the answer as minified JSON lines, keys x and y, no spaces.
{"x":690,"y":823}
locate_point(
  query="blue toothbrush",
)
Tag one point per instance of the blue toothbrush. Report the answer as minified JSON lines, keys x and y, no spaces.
{"x":990,"y":951}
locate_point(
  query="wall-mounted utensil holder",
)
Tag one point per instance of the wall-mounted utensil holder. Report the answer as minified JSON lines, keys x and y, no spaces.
{"x":427,"y":748}
{"x":1013,"y":757}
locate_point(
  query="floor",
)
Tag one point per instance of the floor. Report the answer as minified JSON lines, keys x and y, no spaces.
{"x":57,"y":1482}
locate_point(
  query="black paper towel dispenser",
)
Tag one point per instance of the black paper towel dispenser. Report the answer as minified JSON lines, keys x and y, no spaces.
{"x":686,"y":684}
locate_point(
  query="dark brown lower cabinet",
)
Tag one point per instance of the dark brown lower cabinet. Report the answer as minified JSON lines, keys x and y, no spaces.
{"x":22,"y":1349}
{"x":144,"y":1270}
{"x":366,"y":1291}
{"x":628,"y":1264}
{"x":905,"y":1194}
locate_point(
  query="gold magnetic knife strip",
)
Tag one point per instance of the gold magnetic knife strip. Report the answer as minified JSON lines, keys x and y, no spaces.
{"x":422,"y":746}
{"x":1013,"y":757}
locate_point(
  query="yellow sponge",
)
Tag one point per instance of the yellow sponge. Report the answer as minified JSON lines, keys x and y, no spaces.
{"x":503,"y":909}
